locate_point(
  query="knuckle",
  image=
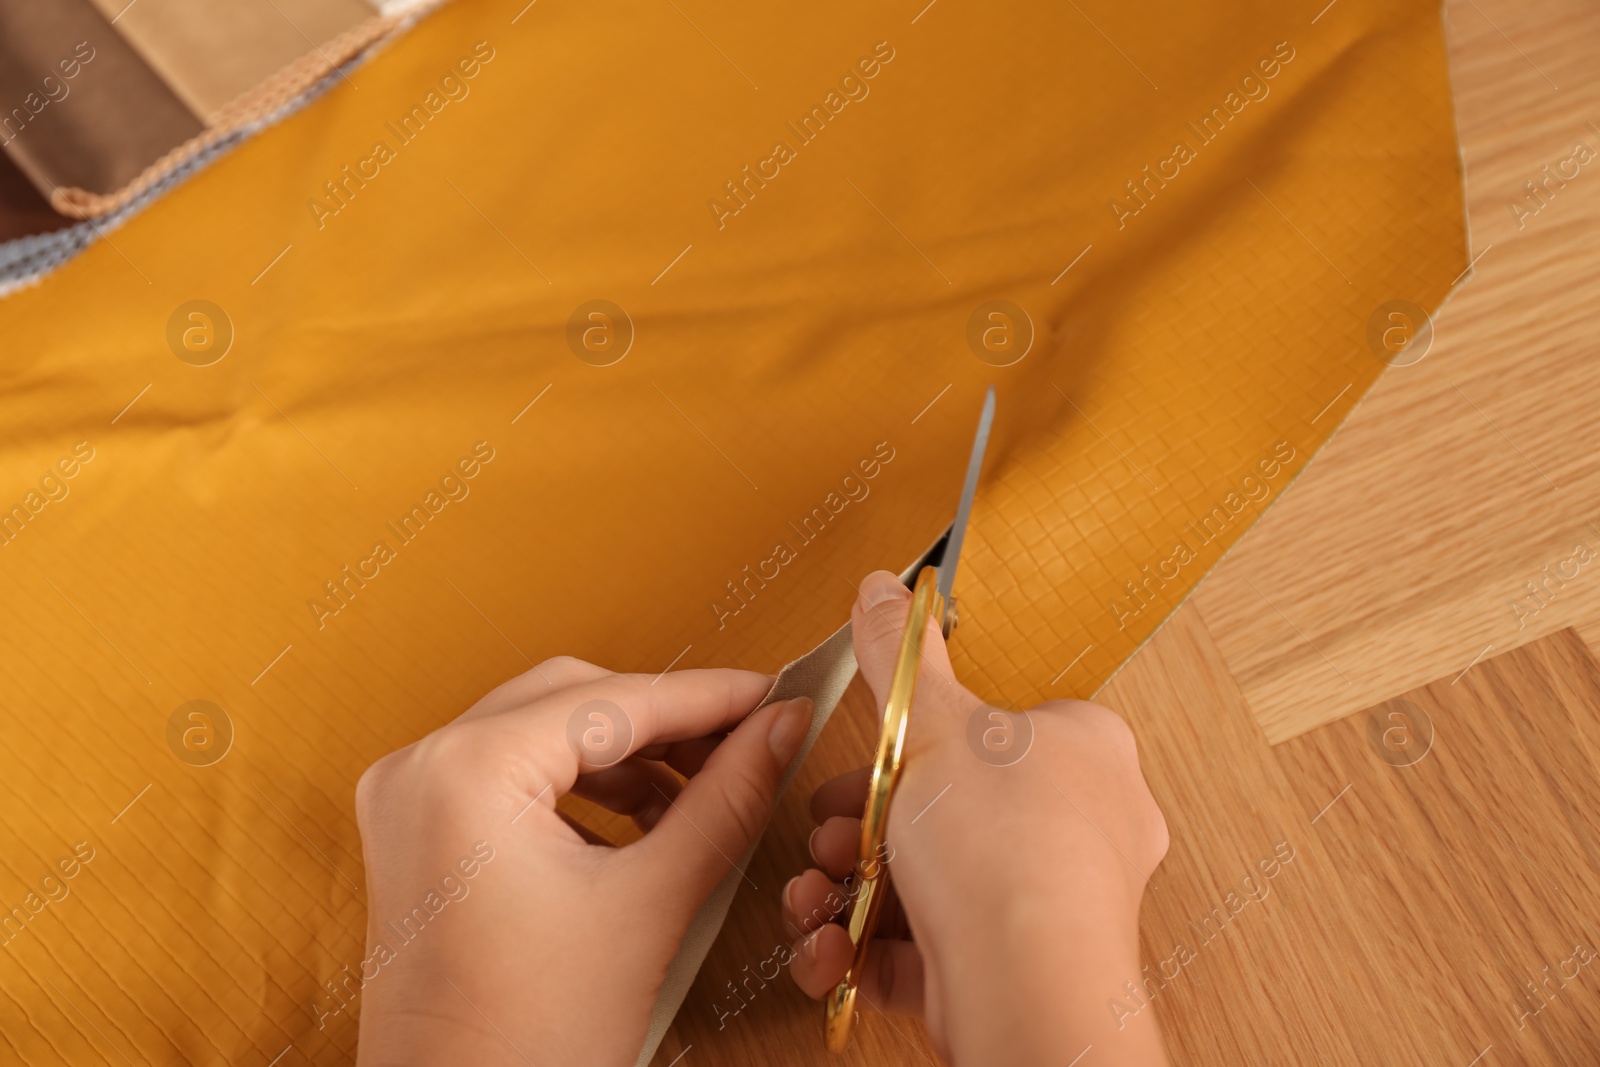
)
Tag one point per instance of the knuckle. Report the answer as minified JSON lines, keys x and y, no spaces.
{"x":564,"y":667}
{"x":380,"y":782}
{"x":880,"y":622}
{"x":464,"y":752}
{"x":455,"y":761}
{"x":368,"y":788}
{"x":1102,"y":724}
{"x":1161,"y":837}
{"x":540,"y":680}
{"x":1151,"y":837}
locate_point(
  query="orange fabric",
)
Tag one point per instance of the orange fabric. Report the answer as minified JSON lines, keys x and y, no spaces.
{"x":407,"y":346}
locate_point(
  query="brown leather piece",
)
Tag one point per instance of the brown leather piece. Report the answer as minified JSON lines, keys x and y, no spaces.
{"x":23,"y":211}
{"x":81,"y":108}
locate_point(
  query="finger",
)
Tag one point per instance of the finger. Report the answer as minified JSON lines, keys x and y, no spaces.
{"x":612,"y":718}
{"x":597,"y":724}
{"x":544,"y":679}
{"x":562,"y":672}
{"x":844,"y":795}
{"x":878,"y":620}
{"x":811,"y":900}
{"x":546,"y":744}
{"x":894,"y":979}
{"x":685,"y":757}
{"x":836,"y":845}
{"x":891,"y":981}
{"x":724,"y":808}
{"x":637,"y":788}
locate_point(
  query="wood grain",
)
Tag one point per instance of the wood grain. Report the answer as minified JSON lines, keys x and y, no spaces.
{"x":1431,"y":912}
{"x":1402,"y":551}
{"x":1473,"y":870}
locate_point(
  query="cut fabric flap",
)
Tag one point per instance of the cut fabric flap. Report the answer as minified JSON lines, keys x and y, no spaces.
{"x":823,"y":675}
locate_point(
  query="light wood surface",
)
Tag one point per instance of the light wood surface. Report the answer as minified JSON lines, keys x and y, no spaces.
{"x":1430,"y":910}
{"x":1398,"y":555}
{"x":1468,"y":878}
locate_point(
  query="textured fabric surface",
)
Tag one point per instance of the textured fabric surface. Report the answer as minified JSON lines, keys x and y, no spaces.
{"x":235,"y":464}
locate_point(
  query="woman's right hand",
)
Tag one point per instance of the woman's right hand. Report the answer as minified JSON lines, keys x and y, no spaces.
{"x":1020,"y":847}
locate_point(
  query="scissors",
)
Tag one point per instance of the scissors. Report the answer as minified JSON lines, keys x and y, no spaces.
{"x":930,"y":598}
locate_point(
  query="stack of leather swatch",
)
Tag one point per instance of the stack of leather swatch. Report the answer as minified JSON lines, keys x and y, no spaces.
{"x":106,"y":104}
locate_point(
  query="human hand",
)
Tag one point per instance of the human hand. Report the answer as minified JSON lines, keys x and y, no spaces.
{"x":497,"y":932}
{"x":1019,"y":882}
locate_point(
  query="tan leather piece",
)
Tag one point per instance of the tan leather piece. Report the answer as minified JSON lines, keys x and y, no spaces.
{"x":209,"y":54}
{"x":396,"y":314}
{"x":81,"y":108}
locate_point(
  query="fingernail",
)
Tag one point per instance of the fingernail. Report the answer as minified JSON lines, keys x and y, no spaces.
{"x":788,"y":887}
{"x":789,"y":729}
{"x":881,"y":587}
{"x":811,"y":843}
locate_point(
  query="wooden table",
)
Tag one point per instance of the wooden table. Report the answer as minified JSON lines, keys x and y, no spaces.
{"x":1392,"y":675}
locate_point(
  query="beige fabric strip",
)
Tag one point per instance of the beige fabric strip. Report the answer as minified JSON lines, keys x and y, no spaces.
{"x":821,"y":674}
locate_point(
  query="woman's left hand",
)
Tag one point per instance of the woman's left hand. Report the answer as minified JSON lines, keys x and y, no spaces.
{"x":498,"y":931}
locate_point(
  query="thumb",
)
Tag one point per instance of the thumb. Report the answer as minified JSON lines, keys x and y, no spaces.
{"x":878,"y":623}
{"x":724,"y":808}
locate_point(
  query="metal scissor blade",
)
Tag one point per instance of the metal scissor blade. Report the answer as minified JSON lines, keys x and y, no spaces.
{"x":958,"y":531}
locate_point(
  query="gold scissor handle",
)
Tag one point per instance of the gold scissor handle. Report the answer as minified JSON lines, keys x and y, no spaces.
{"x":871,"y":872}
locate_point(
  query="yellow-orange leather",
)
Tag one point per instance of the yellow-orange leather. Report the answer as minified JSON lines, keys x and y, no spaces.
{"x":794,"y":409}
